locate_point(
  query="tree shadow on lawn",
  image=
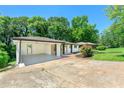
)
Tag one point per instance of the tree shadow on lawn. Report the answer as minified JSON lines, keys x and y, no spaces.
{"x":120,"y":55}
{"x":104,"y":52}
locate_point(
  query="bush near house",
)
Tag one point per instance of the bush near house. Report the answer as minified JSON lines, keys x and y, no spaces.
{"x":4,"y":58}
{"x":86,"y":52}
{"x":100,"y":48}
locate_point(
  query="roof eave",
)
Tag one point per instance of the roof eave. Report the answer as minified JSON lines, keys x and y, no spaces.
{"x":37,"y":40}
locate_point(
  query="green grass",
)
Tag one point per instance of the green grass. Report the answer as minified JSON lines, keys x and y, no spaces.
{"x":9,"y":66}
{"x":12,"y":63}
{"x":111,"y":54}
{"x":115,"y":50}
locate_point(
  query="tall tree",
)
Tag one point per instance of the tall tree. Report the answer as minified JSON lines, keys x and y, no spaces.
{"x":83,"y":31}
{"x":6,"y":34}
{"x":20,"y":26}
{"x":38,"y":26}
{"x":115,"y":32}
{"x":58,"y":28}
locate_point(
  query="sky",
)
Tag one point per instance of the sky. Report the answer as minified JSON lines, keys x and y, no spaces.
{"x":96,"y":13}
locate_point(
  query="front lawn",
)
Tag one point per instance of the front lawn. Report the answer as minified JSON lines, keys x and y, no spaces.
{"x":111,"y":54}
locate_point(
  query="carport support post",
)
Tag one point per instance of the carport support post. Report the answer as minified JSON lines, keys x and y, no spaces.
{"x":19,"y":55}
{"x":58,"y":52}
{"x":18,"y":50}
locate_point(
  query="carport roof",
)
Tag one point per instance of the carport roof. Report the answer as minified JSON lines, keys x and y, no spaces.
{"x":83,"y":43}
{"x":41,"y":39}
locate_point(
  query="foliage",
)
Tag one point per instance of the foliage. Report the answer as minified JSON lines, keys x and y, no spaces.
{"x":100,"y":47}
{"x":19,"y":25}
{"x":10,"y":65}
{"x":38,"y":26}
{"x":58,"y":28}
{"x":114,"y":35}
{"x":2,"y":46}
{"x":83,"y":31}
{"x":86,"y":52}
{"x":3,"y":58}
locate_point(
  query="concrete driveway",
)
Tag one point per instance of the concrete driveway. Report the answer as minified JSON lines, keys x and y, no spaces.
{"x":69,"y":71}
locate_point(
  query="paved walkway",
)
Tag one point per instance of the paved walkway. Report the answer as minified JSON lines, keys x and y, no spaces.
{"x":69,"y":71}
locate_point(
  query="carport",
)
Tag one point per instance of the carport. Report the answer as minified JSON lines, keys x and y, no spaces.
{"x":33,"y":50}
{"x":37,"y":58}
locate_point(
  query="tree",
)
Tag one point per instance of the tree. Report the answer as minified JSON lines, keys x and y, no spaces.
{"x":109,"y":39}
{"x":20,"y":26}
{"x":58,"y":28}
{"x":5,"y":29}
{"x":83,"y":31}
{"x":115,"y":33}
{"x":38,"y":26}
{"x":6,"y":34}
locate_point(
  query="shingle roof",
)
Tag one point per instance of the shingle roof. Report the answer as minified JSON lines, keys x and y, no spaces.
{"x":41,"y":39}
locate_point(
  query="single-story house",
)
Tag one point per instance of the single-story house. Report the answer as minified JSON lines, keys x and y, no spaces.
{"x":87,"y":44}
{"x":31,"y":50}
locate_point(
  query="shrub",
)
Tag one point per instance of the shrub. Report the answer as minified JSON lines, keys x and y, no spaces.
{"x":3,"y":58}
{"x":2,"y":46}
{"x":100,"y":48}
{"x":86,"y":52}
{"x":12,"y":52}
